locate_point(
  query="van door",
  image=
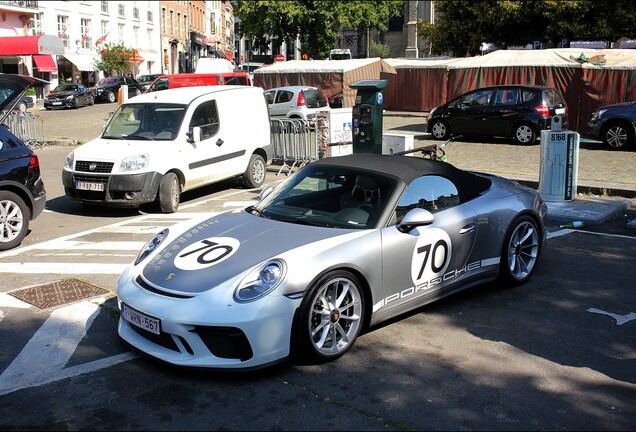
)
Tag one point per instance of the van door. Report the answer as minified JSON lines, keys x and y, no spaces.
{"x":216,"y":156}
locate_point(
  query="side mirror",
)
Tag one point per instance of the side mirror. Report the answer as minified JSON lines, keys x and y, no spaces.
{"x":194,"y":135}
{"x":415,"y":218}
{"x":265,"y":192}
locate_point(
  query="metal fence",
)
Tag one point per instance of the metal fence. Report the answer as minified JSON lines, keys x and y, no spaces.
{"x":298,"y":142}
{"x":26,"y":126}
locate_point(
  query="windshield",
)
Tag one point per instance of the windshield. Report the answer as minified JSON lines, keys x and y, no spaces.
{"x":146,"y":121}
{"x":108,"y":81}
{"x":337,"y":197}
{"x":65,"y":87}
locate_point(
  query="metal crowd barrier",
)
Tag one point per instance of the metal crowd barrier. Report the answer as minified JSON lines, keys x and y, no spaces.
{"x":298,"y":142}
{"x":26,"y":126}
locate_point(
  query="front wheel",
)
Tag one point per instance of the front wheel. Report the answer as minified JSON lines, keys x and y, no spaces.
{"x":14,"y":220}
{"x":254,"y":175}
{"x":616,"y":136}
{"x":111,"y":97}
{"x":169,"y":193}
{"x":440,"y":129}
{"x":520,"y":251}
{"x":330,"y":317}
{"x":524,"y":134}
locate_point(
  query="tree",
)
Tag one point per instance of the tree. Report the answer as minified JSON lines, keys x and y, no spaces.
{"x":379,"y":50}
{"x":464,"y":24}
{"x":315,"y":22}
{"x":114,"y":58}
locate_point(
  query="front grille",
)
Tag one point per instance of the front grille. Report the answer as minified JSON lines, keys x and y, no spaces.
{"x":90,"y":178}
{"x":145,"y":285}
{"x":98,"y":167}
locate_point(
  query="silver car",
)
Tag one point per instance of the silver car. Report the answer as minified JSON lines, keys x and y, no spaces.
{"x":346,"y":243}
{"x":296,"y":102}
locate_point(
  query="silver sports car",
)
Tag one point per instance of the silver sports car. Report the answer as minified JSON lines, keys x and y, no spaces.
{"x":345,"y":243}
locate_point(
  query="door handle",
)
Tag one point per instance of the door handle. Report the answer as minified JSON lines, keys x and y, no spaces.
{"x":219,"y":142}
{"x":468,"y":229}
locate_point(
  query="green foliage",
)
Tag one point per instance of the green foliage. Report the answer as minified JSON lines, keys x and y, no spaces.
{"x":378,"y":50}
{"x":114,"y":58}
{"x":463,"y":25}
{"x":315,"y":22}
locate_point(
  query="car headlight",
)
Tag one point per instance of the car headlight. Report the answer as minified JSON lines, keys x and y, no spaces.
{"x":260,"y":281}
{"x":134,"y":163}
{"x":68,"y":163}
{"x":151,"y":246}
{"x":597,"y":114}
{"x":70,"y":98}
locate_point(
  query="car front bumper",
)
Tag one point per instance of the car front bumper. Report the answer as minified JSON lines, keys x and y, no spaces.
{"x":209,"y":330}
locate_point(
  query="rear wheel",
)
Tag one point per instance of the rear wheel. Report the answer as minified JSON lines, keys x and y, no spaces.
{"x":330,"y":317}
{"x":440,"y":129}
{"x":169,"y":193}
{"x":14,"y":220}
{"x":254,"y":176}
{"x":520,"y":251}
{"x":91,"y":101}
{"x":617,"y":136}
{"x":76,"y":103}
{"x":524,"y":134}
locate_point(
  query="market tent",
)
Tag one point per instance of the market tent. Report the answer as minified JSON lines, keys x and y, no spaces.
{"x":333,"y":77}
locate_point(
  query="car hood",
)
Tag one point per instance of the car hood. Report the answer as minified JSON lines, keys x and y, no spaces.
{"x":227,"y":245}
{"x":619,"y":105}
{"x":113,"y":150}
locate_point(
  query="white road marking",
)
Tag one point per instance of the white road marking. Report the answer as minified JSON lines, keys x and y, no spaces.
{"x":620,"y":319}
{"x":7,"y":300}
{"x":62,"y":268}
{"x":43,"y":358}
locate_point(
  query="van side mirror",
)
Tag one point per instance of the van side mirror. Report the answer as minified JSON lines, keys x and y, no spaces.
{"x":194,"y":135}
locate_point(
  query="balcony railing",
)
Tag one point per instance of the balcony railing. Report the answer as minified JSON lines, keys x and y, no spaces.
{"x":20,"y":4}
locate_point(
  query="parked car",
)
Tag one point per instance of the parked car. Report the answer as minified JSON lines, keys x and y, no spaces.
{"x":514,"y":111}
{"x":69,"y":95}
{"x":107,"y":88}
{"x":164,"y":82}
{"x":160,"y":144}
{"x":344,"y":244}
{"x":615,"y":125}
{"x":146,"y":80}
{"x":301,"y":102}
{"x":22,"y":191}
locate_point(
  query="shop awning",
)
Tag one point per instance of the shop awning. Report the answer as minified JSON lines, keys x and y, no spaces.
{"x":82,"y":61}
{"x":135,"y":57}
{"x":30,"y":45}
{"x":44,"y":63}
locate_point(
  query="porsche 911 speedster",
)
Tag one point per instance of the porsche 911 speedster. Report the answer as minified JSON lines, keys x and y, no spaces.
{"x":345,"y":243}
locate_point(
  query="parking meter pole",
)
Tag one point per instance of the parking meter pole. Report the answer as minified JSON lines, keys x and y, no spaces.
{"x":559,"y":163}
{"x":367,"y":116}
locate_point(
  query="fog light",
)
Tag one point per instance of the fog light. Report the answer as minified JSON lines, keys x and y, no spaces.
{"x":130,"y":195}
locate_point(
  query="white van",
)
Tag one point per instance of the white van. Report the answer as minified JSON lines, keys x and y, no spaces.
{"x":158,"y":145}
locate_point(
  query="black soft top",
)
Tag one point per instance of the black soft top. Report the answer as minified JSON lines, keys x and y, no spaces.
{"x":409,"y":168}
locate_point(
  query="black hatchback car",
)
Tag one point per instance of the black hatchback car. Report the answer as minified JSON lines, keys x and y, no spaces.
{"x":22,"y":191}
{"x":615,"y":125}
{"x":514,"y":111}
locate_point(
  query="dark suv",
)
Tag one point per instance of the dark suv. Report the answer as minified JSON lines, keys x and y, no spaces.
{"x":22,"y":192}
{"x":514,"y":111}
{"x":108,"y":88}
{"x":615,"y":125}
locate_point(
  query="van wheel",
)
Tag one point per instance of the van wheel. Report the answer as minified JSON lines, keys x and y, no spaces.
{"x":254,"y":176}
{"x":14,"y":220}
{"x":169,"y":193}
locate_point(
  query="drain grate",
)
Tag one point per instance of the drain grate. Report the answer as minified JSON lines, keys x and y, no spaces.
{"x":58,"y":293}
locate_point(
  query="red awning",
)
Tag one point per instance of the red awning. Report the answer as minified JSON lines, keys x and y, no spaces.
{"x":45,"y":63}
{"x":31,"y":45}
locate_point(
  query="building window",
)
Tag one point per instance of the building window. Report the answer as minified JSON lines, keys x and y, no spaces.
{"x":178,"y":23}
{"x":212,"y":23}
{"x":62,"y":26}
{"x":121,"y":10}
{"x":35,"y":26}
{"x":171,"y":22}
{"x":150,"y":37}
{"x":85,"y":27}
{"x":136,"y":35}
{"x":104,"y":6}
{"x":104,"y":27}
{"x":163,"y":19}
{"x":120,"y":32}
{"x":135,"y":11}
{"x":149,"y":16}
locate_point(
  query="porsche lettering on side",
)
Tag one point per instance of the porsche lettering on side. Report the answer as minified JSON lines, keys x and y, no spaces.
{"x":343,"y":244}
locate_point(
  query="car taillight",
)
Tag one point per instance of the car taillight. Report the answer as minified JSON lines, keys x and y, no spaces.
{"x":301,"y":99}
{"x":543,"y":110}
{"x":34,"y":163}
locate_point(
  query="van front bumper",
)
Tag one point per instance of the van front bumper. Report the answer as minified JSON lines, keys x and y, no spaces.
{"x":124,"y":190}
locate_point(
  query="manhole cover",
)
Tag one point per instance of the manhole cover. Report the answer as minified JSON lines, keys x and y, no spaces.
{"x":58,"y":293}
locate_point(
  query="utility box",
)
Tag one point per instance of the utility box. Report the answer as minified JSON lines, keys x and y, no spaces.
{"x":559,"y":163}
{"x":340,"y":132}
{"x":367,"y":116}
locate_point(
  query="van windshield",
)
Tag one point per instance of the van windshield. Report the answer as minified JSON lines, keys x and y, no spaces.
{"x":146,"y":121}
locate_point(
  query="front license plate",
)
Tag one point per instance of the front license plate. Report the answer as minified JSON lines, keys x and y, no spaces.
{"x":57,"y":103}
{"x":89,"y":186}
{"x":141,"y":320}
{"x":559,"y":111}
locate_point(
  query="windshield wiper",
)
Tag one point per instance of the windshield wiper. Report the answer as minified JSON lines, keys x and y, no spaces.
{"x":257,"y":212}
{"x":143,"y":137}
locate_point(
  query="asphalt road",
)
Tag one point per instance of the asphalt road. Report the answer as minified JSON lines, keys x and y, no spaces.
{"x":557,"y":353}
